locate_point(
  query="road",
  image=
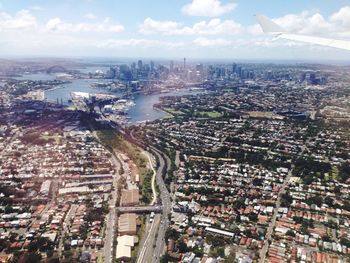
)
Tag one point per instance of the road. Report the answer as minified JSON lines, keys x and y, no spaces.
{"x":66,"y":226}
{"x":160,"y":223}
{"x":165,"y":197}
{"x":271,"y":226}
{"x":111,"y":217}
{"x":146,"y":251}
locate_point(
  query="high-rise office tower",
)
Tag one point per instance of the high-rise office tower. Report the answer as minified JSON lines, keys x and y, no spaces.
{"x":139,"y":64}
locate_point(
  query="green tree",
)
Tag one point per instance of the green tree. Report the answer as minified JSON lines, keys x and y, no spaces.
{"x":181,"y":245}
{"x":165,"y":258}
{"x":33,"y":257}
{"x":290,"y":233}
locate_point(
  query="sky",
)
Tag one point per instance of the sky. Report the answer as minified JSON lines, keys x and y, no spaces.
{"x":198,"y":29}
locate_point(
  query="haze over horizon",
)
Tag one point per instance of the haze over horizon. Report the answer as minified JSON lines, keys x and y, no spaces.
{"x":199,"y":29}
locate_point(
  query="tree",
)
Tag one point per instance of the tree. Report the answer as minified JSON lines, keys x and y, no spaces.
{"x":50,"y":253}
{"x":171,"y":234}
{"x":290,"y":233}
{"x":198,"y":251}
{"x":317,"y":200}
{"x":345,"y":242}
{"x":329,"y":201}
{"x":165,"y":258}
{"x":215,"y":240}
{"x":8,"y":209}
{"x":217,"y":251}
{"x":181,"y":245}
{"x":231,"y":258}
{"x":304,"y":228}
{"x":54,"y":260}
{"x":68,"y":254}
{"x":33,"y":257}
{"x":344,"y":171}
{"x":286,"y":200}
{"x":346,"y":205}
{"x":253,"y":217}
{"x":326,"y":238}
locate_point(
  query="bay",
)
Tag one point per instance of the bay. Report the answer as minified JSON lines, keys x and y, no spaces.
{"x":143,"y":109}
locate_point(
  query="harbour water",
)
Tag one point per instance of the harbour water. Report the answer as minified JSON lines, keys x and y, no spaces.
{"x":76,"y":85}
{"x":36,"y":77}
{"x":142,"y":111}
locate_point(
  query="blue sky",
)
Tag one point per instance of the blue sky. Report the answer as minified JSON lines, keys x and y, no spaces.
{"x":169,"y":29}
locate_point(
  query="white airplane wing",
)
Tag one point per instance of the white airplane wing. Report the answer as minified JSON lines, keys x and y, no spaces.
{"x":272,"y":28}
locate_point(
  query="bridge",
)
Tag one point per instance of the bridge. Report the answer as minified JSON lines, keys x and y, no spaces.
{"x":139,"y":209}
{"x":56,"y":69}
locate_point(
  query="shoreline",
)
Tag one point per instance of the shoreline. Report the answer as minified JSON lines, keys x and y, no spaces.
{"x":54,"y":88}
{"x":161,"y":110}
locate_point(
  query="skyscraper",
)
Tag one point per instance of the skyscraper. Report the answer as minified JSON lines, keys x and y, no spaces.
{"x":139,"y":64}
{"x":234,"y":66}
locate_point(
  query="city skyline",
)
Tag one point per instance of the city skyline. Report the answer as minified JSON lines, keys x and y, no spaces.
{"x":195,"y":29}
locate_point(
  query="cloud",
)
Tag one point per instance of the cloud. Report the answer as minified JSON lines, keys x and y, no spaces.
{"x":212,"y":27}
{"x":304,"y":23}
{"x":312,"y":23}
{"x":21,"y":20}
{"x":254,"y":30}
{"x":210,"y":8}
{"x":205,"y":42}
{"x":142,"y":43}
{"x":57,"y":25}
{"x":90,"y":16}
{"x":151,"y":26}
{"x":342,"y":16}
{"x":24,"y":20}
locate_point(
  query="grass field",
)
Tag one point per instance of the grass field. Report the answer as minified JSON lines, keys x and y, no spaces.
{"x":173,"y":111}
{"x":263,"y":114}
{"x":55,"y":137}
{"x":208,"y":114}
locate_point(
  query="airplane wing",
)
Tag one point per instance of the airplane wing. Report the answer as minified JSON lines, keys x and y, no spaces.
{"x":272,"y":28}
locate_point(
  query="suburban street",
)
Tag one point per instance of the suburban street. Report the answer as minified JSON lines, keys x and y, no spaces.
{"x":271,"y":226}
{"x":66,"y":225}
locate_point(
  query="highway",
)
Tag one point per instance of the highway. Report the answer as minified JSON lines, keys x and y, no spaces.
{"x":111,"y":218}
{"x":164,"y":196}
{"x":149,"y":253}
{"x":166,"y":203}
{"x":146,"y":250}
